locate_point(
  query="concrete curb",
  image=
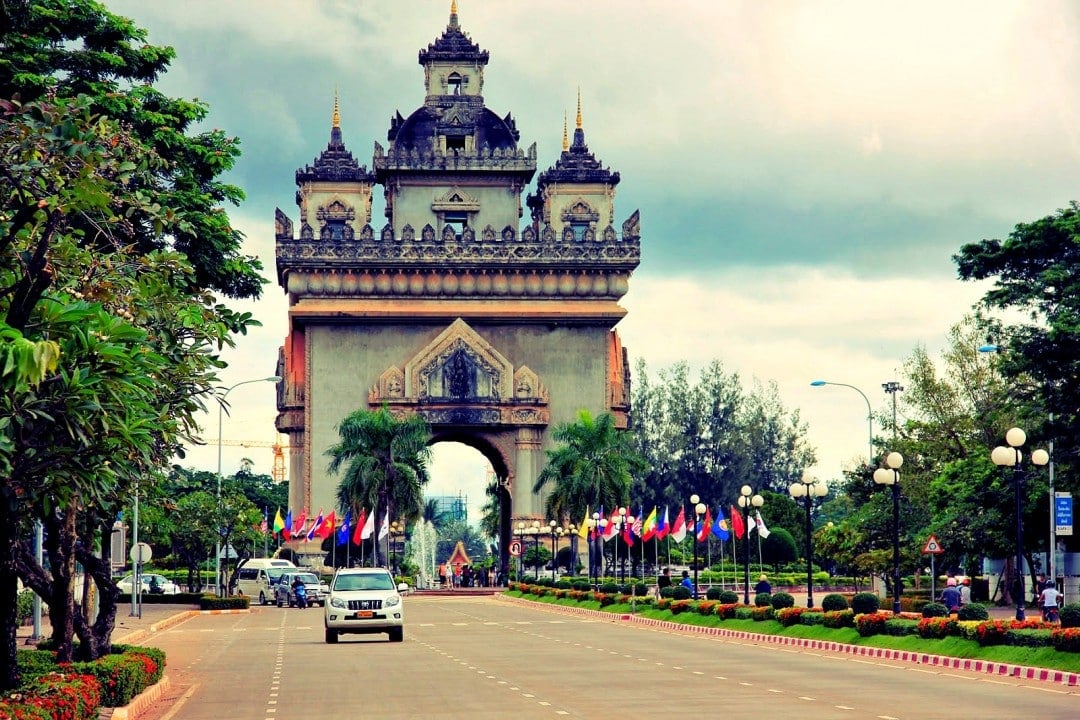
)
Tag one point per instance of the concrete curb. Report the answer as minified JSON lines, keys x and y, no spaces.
{"x":1057,"y":677}
{"x":142,"y":701}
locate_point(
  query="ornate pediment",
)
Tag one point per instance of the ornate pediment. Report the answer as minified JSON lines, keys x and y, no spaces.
{"x":455,"y":199}
{"x":580,"y":211}
{"x":459,"y":365}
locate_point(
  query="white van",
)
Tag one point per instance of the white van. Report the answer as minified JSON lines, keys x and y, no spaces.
{"x":257,"y":577}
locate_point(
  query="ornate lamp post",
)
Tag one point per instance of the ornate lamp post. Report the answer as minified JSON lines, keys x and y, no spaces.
{"x":747,"y":498}
{"x":554,"y":526}
{"x":535,"y":532}
{"x":1012,"y":457}
{"x":620,"y":523}
{"x":808,"y":488}
{"x":698,"y":508}
{"x":891,"y":476}
{"x":220,"y":417}
{"x":397,"y":529}
{"x":521,"y":557}
{"x":572,"y":566}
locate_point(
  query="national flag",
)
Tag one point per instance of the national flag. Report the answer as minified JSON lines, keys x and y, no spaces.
{"x":663,"y":526}
{"x":343,"y":531}
{"x":737,"y":523}
{"x":639,"y":522}
{"x":298,"y":526}
{"x":328,"y":526}
{"x":704,"y":527}
{"x":678,"y":530}
{"x":279,"y":524}
{"x":628,"y":533}
{"x":315,"y":527}
{"x":360,"y":523}
{"x":720,"y":527}
{"x":648,"y":528}
{"x":762,"y":530}
{"x":265,"y":525}
{"x":369,"y":526}
{"x":583,"y":529}
{"x":612,"y":527}
{"x":594,"y":531}
{"x":750,"y":525}
{"x":286,"y":530}
{"x":385,"y":529}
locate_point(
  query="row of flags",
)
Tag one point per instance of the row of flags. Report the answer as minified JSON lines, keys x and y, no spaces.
{"x":323,"y":527}
{"x":656,"y":527}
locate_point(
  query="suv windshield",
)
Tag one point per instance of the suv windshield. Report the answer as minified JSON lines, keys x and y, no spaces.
{"x":371,"y":581}
{"x":274,"y":574}
{"x":307,"y":579}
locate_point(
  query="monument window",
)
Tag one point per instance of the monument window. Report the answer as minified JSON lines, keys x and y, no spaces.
{"x":579,"y":229}
{"x":454,"y":83}
{"x":455,"y":142}
{"x":457,"y":220}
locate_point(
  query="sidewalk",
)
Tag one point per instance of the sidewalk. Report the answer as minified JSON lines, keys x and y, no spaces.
{"x":128,"y":628}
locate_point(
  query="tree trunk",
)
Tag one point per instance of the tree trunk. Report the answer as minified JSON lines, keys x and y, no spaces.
{"x":60,"y":544}
{"x":95,"y":634}
{"x":9,"y":588}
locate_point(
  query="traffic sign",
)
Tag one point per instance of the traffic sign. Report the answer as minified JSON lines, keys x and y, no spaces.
{"x":515,"y":548}
{"x":141,"y":553}
{"x":932,"y":547}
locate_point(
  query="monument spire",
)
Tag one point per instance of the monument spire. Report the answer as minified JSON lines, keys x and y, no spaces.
{"x":336,"y":117}
{"x":565,"y":137}
{"x":579,"y":107}
{"x":453,"y":14}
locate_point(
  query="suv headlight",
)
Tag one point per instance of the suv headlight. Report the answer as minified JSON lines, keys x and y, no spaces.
{"x":392,"y":601}
{"x":338,"y":603}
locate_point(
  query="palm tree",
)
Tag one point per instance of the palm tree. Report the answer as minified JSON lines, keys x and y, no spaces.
{"x":383,"y":460}
{"x":431,"y":512}
{"x":594,"y":466}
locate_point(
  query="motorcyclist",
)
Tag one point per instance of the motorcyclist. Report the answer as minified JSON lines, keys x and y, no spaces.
{"x":300,"y":591}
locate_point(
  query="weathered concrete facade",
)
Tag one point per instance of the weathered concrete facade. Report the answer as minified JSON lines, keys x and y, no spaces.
{"x":493,"y":331}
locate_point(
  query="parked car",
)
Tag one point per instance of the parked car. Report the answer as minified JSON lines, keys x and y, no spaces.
{"x":364,"y":600}
{"x":152,"y":583}
{"x":284,"y":594}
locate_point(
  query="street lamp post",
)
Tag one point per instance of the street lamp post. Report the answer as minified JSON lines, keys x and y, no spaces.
{"x":521,"y":556}
{"x":572,"y":566}
{"x":217,"y":503}
{"x":620,"y":525}
{"x":869,"y":411}
{"x":808,"y":488}
{"x":535,"y":532}
{"x":891,"y":476}
{"x":747,"y":498}
{"x":1012,"y":457}
{"x":397,"y":529}
{"x":553,"y":526}
{"x":698,"y":508}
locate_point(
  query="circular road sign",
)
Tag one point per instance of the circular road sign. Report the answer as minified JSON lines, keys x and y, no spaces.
{"x":140,"y":553}
{"x":515,"y":548}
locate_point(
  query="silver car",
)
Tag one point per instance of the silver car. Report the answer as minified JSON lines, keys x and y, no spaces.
{"x":284,"y":594}
{"x":364,"y":600}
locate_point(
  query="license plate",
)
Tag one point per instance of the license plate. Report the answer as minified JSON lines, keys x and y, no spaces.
{"x":364,"y":613}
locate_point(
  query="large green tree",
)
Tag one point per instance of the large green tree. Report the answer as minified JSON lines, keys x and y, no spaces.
{"x":382,"y":460}
{"x":112,"y":253}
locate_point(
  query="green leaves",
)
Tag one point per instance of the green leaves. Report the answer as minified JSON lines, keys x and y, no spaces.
{"x":25,"y":363}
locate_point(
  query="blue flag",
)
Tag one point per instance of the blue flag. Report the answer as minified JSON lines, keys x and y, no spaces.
{"x":343,"y":531}
{"x":720,"y":526}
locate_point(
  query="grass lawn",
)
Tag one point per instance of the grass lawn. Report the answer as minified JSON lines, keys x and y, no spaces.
{"x":1045,"y":657}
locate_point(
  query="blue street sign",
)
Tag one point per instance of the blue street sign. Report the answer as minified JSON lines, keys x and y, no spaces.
{"x":1063,"y":513}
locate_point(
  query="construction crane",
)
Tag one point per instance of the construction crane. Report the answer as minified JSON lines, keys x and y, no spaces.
{"x":278,"y":471}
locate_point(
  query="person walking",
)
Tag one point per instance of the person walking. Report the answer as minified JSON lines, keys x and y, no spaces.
{"x":950,"y":596}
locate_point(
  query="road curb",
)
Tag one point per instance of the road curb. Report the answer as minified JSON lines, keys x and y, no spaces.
{"x":142,"y":701}
{"x":1057,"y":677}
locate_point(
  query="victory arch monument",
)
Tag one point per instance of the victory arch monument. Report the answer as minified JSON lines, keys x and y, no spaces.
{"x":492,"y":328}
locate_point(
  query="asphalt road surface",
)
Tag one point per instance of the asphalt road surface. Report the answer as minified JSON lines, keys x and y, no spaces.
{"x":487,"y":658}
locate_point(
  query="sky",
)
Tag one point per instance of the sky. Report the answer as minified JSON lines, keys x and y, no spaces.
{"x":805,"y":171}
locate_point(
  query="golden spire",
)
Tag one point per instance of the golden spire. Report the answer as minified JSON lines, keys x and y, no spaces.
{"x":453,"y":13}
{"x":337,"y":114}
{"x":579,"y":107}
{"x":565,"y":138}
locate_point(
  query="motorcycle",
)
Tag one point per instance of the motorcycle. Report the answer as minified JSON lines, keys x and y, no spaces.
{"x":301,"y":595}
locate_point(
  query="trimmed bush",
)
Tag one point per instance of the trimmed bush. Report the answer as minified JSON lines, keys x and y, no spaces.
{"x":974,"y":611}
{"x":211,"y":602}
{"x":789,"y":616}
{"x":1028,"y":638}
{"x":900,"y":627}
{"x":782,"y":600}
{"x":712,"y":593}
{"x":1070,"y":615}
{"x":609,"y":588}
{"x":669,"y":591}
{"x":1066,"y":639}
{"x":564,"y":585}
{"x":833,"y":602}
{"x":935,"y":610}
{"x":729,"y":597}
{"x":812,"y":617}
{"x":872,"y":623}
{"x":581,"y":586}
{"x":865,"y":603}
{"x":763,"y":600}
{"x":744,"y":612}
{"x":680,"y":593}
{"x":839,"y":619}
{"x":935,"y":627}
{"x":762,"y":612}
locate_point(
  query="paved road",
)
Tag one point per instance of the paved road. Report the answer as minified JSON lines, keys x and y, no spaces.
{"x":486,"y":658}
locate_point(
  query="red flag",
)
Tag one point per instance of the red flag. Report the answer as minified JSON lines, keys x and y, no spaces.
{"x":612,"y":526}
{"x":737,"y":524}
{"x":628,"y":534}
{"x":328,"y":526}
{"x":678,"y":530}
{"x":300,"y":522}
{"x":704,"y":527}
{"x":356,"y":539}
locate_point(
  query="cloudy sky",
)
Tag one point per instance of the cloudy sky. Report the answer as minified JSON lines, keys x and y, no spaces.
{"x":804,"y":170}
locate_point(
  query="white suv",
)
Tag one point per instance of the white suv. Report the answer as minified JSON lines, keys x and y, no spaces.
{"x":364,"y":600}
